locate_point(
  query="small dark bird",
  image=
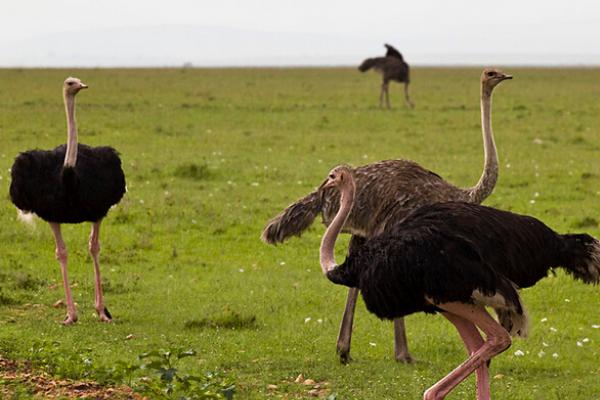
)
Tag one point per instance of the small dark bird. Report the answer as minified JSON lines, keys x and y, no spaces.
{"x":456,"y":259}
{"x":71,"y":184}
{"x":392,"y":67}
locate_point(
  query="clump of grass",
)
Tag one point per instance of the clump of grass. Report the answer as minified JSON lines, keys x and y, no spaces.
{"x":588,"y":175}
{"x":226,"y":320}
{"x":586,"y":222}
{"x":25,"y":281}
{"x":6,"y":300}
{"x":193,"y":171}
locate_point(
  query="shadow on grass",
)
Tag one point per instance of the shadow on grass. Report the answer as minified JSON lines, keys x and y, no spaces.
{"x":225,"y":320}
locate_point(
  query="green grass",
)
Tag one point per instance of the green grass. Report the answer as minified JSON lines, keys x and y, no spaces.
{"x":211,"y":155}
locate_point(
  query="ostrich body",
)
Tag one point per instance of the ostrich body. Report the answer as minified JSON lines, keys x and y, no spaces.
{"x":71,"y":184}
{"x":392,"y":67}
{"x":386,"y":192}
{"x":456,"y":259}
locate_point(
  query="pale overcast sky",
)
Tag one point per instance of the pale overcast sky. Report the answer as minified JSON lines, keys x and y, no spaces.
{"x":305,"y":32}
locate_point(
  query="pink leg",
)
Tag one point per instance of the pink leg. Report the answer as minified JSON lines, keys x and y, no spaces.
{"x":497,"y":341}
{"x":94,"y":246}
{"x":473,"y":341}
{"x":61,"y":256}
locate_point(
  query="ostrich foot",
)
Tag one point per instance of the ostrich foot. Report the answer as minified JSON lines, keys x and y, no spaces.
{"x":69,"y":320}
{"x":405,"y":358}
{"x":104,"y":315}
{"x":344,"y":356}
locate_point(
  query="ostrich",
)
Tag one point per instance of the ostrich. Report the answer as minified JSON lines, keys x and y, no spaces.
{"x":456,"y":258}
{"x":71,"y":184}
{"x":392,"y":68}
{"x":386,"y":192}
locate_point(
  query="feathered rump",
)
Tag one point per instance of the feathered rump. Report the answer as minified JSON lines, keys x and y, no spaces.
{"x":581,"y":257}
{"x":294,"y":220}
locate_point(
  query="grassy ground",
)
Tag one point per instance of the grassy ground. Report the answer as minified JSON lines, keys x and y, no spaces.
{"x":211,"y":155}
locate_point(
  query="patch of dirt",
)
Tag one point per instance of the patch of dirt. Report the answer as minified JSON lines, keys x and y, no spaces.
{"x":48,"y":387}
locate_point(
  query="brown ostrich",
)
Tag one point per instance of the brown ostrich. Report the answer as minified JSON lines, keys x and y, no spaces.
{"x":386,"y":192}
{"x":392,"y":68}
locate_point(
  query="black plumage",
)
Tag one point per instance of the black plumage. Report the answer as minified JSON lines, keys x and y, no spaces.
{"x":449,"y":251}
{"x":85,"y":192}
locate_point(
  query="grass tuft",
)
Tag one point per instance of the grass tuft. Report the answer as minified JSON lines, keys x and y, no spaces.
{"x":226,"y":320}
{"x":193,"y":171}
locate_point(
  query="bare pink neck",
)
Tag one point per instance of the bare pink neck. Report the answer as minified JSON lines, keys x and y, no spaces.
{"x":488,"y":179}
{"x":71,"y":153}
{"x":327,"y":257}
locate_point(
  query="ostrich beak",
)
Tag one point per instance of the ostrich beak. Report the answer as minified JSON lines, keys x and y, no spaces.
{"x":507,"y":77}
{"x":84,"y":86}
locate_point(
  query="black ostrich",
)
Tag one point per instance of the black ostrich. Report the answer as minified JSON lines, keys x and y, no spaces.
{"x":456,"y":259}
{"x":392,"y":68}
{"x":71,"y":184}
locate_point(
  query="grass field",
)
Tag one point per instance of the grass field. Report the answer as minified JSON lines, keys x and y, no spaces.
{"x":211,"y":155}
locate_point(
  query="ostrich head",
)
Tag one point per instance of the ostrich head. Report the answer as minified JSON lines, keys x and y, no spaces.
{"x":339,"y":177}
{"x":73,"y":85}
{"x":490,"y":77}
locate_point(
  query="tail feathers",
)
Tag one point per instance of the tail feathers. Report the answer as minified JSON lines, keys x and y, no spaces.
{"x":26,"y":217}
{"x":367,"y":64}
{"x":294,"y":220}
{"x":581,"y":257}
{"x":516,"y":323}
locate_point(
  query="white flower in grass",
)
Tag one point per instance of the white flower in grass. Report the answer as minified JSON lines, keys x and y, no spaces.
{"x":531,"y":201}
{"x":595,"y":326}
{"x":579,"y":344}
{"x":519,"y":353}
{"x":307,"y":320}
{"x":536,"y":194}
{"x":320,"y":320}
{"x":545,"y":344}
{"x":508,"y":165}
{"x":553,"y":329}
{"x":541,"y":354}
{"x":254,"y":184}
{"x":373,"y":344}
{"x":585,"y":340}
{"x":141,"y":201}
{"x":282,"y":263}
{"x":241,"y":269}
{"x":554,"y":355}
{"x":544,"y":319}
{"x":567,"y":300}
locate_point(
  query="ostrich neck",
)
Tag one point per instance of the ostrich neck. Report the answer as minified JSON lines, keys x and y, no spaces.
{"x":488,"y":179}
{"x":327,"y":257}
{"x":71,"y":154}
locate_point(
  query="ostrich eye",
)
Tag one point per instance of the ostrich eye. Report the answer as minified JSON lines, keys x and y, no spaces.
{"x":491,"y":73}
{"x":331,"y":176}
{"x":70,"y":83}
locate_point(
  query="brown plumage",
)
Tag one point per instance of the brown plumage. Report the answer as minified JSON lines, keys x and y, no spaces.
{"x":386,"y":192}
{"x":392,"y":67}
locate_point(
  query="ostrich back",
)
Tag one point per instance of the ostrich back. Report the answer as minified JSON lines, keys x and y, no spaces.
{"x":85,"y":192}
{"x":446,"y":252}
{"x":386,"y":192}
{"x":392,"y":68}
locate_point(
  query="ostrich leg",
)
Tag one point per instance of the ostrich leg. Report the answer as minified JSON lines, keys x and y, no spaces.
{"x":473,"y":341}
{"x":61,"y":256}
{"x":94,"y":247}
{"x":345,"y":334}
{"x":387,"y":95}
{"x":407,"y":97}
{"x":381,"y":94}
{"x":400,"y":344}
{"x":497,"y":341}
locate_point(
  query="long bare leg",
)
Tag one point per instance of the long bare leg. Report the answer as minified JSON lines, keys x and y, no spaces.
{"x":381,"y":94}
{"x":345,"y":334}
{"x":61,"y":256}
{"x":94,"y":247}
{"x":387,"y":95}
{"x":473,"y":341}
{"x":400,"y":344}
{"x":496,"y":342}
{"x":407,"y":97}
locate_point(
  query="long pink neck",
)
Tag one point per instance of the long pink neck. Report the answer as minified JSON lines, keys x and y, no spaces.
{"x":488,"y":179}
{"x":71,"y":154}
{"x":327,"y":257}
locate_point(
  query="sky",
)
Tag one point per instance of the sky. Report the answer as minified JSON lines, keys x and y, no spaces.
{"x":306,"y":32}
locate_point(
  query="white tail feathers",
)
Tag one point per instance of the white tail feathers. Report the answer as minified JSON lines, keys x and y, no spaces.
{"x":26,"y":218}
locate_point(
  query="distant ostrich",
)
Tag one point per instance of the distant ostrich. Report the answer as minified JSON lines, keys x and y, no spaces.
{"x":392,"y":68}
{"x":386,"y":192}
{"x":456,"y":258}
{"x":71,"y":184}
